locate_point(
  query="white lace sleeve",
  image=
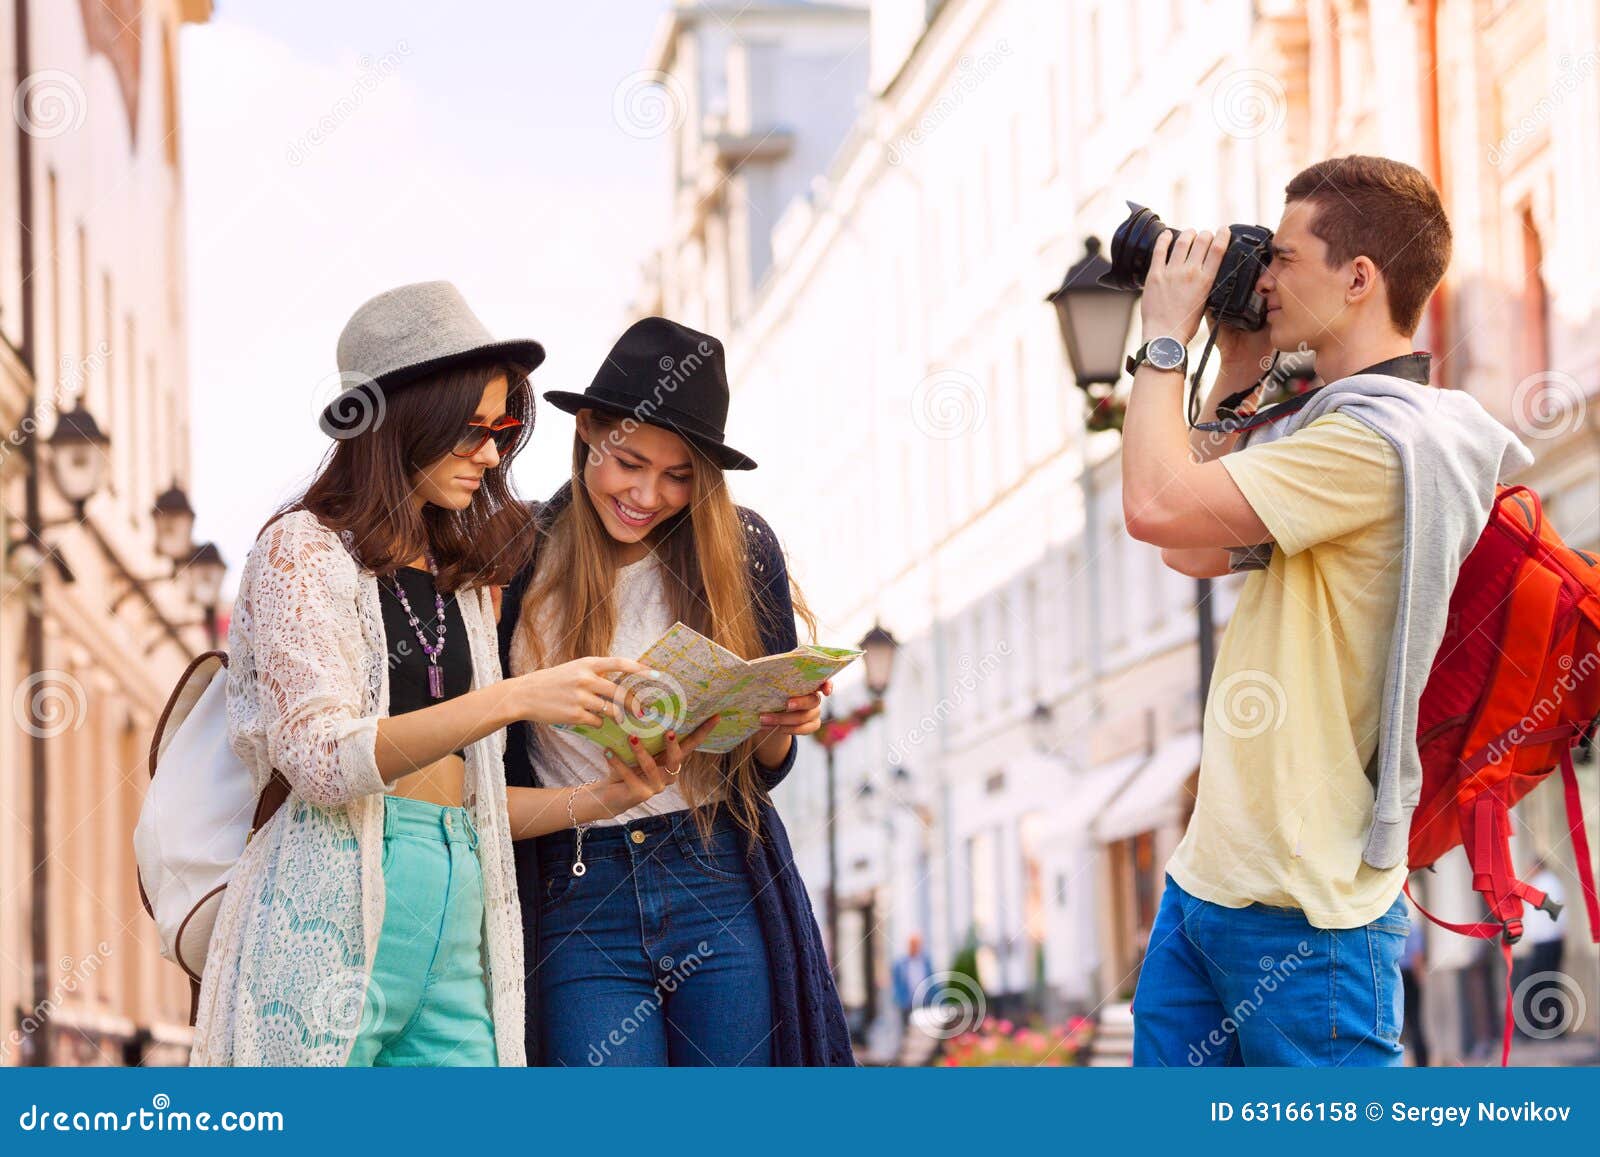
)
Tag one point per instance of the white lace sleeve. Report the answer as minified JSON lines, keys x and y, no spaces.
{"x":299,"y":605}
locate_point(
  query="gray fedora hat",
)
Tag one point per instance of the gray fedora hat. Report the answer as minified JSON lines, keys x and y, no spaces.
{"x":399,"y":336}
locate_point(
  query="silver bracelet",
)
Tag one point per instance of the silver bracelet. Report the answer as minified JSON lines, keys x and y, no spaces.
{"x":578,"y":867}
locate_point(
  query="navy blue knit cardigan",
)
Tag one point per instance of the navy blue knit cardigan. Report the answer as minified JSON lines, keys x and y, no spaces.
{"x":809,"y":1021}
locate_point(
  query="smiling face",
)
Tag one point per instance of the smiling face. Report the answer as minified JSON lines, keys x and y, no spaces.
{"x":1311,"y":303}
{"x":637,"y":478}
{"x":452,"y":481}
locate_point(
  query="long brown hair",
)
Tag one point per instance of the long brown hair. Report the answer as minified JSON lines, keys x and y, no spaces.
{"x":364,"y":483}
{"x":705,"y":562}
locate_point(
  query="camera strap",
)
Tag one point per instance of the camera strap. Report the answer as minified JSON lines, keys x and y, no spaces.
{"x":1229,"y":420}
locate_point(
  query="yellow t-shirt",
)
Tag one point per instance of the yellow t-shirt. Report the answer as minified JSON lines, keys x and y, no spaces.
{"x":1293,"y":709}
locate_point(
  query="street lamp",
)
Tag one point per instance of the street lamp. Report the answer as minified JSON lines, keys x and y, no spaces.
{"x":879,"y":647}
{"x":1041,"y":726}
{"x":1094,"y":319}
{"x":1094,"y":322}
{"x":206,"y":570}
{"x":78,"y":456}
{"x":174,"y":519}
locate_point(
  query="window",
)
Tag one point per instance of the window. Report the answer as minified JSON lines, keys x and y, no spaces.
{"x":115,"y":409}
{"x":1534,"y":334}
{"x":1036,"y":637}
{"x":1096,"y":80}
{"x":1115,"y":589}
{"x":1075,"y":587}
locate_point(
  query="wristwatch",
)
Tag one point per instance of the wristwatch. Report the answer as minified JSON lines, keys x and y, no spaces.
{"x":1164,"y":353}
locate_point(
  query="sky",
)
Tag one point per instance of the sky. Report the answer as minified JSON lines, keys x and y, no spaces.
{"x":333,"y":151}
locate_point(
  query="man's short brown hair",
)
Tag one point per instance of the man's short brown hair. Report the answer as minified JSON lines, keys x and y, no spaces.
{"x":1384,"y":210}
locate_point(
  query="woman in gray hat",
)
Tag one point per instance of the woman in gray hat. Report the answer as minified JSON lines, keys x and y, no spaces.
{"x":373,"y":920}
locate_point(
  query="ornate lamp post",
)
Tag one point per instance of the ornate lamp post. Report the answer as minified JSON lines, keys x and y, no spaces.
{"x":880,"y":647}
{"x":1094,"y":322}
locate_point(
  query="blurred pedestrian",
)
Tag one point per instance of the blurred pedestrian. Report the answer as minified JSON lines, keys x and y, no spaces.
{"x":912,"y":975}
{"x":1412,"y":966}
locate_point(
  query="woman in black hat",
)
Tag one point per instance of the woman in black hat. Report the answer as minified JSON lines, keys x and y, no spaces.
{"x":678,"y":931}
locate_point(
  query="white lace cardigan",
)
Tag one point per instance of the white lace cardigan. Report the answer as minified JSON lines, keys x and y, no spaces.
{"x":289,"y":965}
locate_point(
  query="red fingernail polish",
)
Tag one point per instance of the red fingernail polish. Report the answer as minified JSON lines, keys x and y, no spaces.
{"x":633,"y":739}
{"x":672,"y":735}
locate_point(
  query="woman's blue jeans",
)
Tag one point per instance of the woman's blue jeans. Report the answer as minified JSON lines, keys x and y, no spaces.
{"x":654,"y":956}
{"x":1263,"y":986}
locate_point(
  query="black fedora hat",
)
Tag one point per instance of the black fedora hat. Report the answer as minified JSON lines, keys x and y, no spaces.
{"x":664,"y":374}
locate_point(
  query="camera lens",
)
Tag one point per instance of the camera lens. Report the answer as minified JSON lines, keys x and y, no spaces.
{"x":1132,"y":248}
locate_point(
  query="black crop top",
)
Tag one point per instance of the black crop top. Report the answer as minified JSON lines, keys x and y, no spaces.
{"x":408,"y":663}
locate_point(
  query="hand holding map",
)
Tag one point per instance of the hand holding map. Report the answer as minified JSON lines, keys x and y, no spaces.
{"x":696,"y":679}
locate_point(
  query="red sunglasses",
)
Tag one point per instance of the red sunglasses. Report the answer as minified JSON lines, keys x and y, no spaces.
{"x":504,"y":433}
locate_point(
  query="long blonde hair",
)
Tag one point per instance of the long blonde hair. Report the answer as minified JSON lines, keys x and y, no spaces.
{"x":704,"y":554}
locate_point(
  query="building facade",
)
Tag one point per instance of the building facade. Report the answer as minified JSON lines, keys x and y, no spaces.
{"x":1035,"y":764}
{"x":96,"y":623}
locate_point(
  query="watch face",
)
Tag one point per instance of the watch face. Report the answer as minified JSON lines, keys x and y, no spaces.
{"x":1165,"y":353}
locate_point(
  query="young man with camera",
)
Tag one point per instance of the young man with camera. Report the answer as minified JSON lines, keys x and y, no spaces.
{"x":1282,"y":927}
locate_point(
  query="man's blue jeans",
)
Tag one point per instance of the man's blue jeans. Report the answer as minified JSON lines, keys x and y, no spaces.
{"x":1262,"y":986}
{"x":654,"y":956}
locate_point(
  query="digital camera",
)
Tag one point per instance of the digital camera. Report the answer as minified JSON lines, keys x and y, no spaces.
{"x":1233,"y":299}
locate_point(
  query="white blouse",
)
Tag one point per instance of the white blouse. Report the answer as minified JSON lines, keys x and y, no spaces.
{"x":290,"y":960}
{"x":566,"y":759}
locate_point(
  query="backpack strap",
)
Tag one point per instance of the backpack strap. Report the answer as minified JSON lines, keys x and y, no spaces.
{"x":269,"y":801}
{"x":1486,"y":930}
{"x":1480,"y":929}
{"x":1580,"y":842}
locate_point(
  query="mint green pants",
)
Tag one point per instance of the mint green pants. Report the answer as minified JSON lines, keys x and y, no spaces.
{"x":427,"y":1003}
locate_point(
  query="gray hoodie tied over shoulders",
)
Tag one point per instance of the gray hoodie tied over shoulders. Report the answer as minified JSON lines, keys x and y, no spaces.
{"x":1452,"y":453}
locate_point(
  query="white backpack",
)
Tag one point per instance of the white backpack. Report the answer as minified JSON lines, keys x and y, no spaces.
{"x":198,"y":815}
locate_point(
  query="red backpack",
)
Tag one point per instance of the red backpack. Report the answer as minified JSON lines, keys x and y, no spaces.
{"x":1515,"y":684}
